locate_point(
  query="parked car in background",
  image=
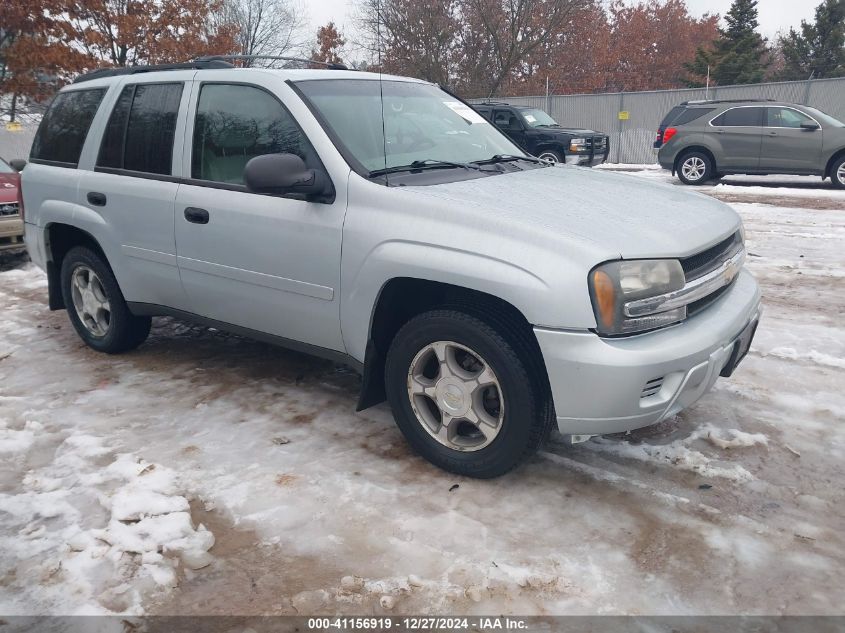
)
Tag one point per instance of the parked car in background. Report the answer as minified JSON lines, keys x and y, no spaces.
{"x":380,"y":222}
{"x":540,"y":135}
{"x":708,"y":139}
{"x":11,"y":222}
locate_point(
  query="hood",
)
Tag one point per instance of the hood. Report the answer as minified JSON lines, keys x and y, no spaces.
{"x":9,"y":184}
{"x":619,"y":214}
{"x":570,"y":131}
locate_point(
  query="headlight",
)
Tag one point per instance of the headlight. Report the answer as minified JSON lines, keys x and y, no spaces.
{"x":577,"y":144}
{"x":614,"y":284}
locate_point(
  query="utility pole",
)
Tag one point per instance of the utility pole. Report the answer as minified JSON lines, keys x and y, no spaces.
{"x":548,"y":98}
{"x":807,"y":89}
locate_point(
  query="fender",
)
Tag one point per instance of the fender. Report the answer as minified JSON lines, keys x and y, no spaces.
{"x":397,"y":258}
{"x":79,"y":217}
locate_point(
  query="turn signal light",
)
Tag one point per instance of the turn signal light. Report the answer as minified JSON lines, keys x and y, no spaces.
{"x":605,"y":292}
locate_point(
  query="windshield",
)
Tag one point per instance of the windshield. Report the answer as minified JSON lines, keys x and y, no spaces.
{"x":537,"y":118}
{"x":822,"y":117}
{"x":421,"y":123}
{"x":4,"y":168}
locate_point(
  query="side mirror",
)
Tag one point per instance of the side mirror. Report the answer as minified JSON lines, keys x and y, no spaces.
{"x":17,"y":164}
{"x":287,"y":174}
{"x":810,"y":125}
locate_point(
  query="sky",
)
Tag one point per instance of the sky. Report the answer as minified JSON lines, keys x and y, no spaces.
{"x":774,"y":15}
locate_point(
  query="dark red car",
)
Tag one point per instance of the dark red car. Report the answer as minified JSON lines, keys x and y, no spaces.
{"x":11,"y":219}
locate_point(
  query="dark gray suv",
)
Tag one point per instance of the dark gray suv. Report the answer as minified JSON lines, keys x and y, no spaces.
{"x":707,"y":139}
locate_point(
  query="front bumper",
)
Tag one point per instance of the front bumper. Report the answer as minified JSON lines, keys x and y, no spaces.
{"x":602,"y":385}
{"x":11,"y":233}
{"x":585,"y":160}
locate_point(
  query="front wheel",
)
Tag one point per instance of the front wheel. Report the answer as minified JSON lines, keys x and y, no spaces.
{"x":837,"y":173}
{"x":464,"y":394}
{"x":96,"y":306}
{"x":695,"y":168}
{"x":553,"y":157}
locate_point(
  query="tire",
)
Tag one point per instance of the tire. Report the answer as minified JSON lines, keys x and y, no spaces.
{"x":95,"y":305}
{"x":524,"y":413}
{"x":695,"y":168}
{"x":837,"y":173}
{"x":552,"y":156}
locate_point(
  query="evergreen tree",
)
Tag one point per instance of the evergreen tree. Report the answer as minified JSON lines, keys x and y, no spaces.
{"x":738,"y":56}
{"x":819,"y":49}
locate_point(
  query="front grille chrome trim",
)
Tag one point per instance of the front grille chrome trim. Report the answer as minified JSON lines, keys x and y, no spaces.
{"x":693,"y":290}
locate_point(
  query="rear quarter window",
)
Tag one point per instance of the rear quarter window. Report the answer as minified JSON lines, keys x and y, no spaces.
{"x":691,"y":114}
{"x":63,"y":129}
{"x":670,"y":117}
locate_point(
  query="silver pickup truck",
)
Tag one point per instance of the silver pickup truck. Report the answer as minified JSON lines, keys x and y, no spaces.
{"x":382,"y":222}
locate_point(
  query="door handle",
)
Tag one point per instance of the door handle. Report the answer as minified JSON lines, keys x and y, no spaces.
{"x":773,"y":133}
{"x":196,"y":215}
{"x":96,"y":198}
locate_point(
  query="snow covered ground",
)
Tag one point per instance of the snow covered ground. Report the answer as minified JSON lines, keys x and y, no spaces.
{"x":204,"y":473}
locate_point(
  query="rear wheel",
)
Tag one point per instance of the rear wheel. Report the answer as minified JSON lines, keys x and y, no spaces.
{"x":695,"y":168}
{"x":462,"y":392}
{"x":551,"y":156}
{"x":96,"y":306}
{"x":837,"y":173}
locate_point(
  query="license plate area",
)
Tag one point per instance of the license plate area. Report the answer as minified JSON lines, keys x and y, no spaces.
{"x":741,"y":345}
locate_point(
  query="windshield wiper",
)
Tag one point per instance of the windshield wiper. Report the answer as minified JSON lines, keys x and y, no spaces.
{"x":428,"y":163}
{"x":507,"y":158}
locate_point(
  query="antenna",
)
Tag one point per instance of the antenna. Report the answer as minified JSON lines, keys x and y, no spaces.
{"x":381,"y":88}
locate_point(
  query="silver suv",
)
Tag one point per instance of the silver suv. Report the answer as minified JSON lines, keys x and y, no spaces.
{"x":704,"y":140}
{"x":383,"y":223}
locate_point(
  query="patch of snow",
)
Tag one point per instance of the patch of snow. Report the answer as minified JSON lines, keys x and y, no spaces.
{"x":812,"y":356}
{"x":675,"y":455}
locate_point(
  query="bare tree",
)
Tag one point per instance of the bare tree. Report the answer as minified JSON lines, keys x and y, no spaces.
{"x":411,"y":37}
{"x":267,"y":27}
{"x":474,"y":46}
{"x":513,"y":29}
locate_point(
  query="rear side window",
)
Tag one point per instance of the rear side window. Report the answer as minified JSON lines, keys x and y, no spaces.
{"x":64,"y":127}
{"x":740,"y":117}
{"x":691,"y":114}
{"x":140,"y":132}
{"x":236,"y":123}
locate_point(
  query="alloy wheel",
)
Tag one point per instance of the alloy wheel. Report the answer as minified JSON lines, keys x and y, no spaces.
{"x":694,"y":168}
{"x":90,"y":301}
{"x":456,"y":396}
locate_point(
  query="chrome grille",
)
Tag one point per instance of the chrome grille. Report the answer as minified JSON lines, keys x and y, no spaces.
{"x":702,"y":263}
{"x":9,"y":209}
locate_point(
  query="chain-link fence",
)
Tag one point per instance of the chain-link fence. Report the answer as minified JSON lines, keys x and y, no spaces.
{"x":16,"y":143}
{"x":631,"y":138}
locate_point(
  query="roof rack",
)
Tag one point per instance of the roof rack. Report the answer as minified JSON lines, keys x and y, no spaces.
{"x":493,"y":103}
{"x":198,"y":64}
{"x":329,"y":65}
{"x":705,"y":101}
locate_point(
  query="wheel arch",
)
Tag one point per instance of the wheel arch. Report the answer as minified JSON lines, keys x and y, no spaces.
{"x":694,"y":148}
{"x":59,"y":238}
{"x":836,"y":156}
{"x":402,"y":298}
